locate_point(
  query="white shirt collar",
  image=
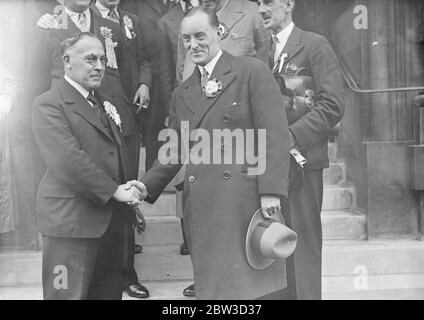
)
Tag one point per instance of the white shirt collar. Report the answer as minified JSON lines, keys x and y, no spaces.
{"x":83,"y":91}
{"x":73,"y":14}
{"x":284,"y":34}
{"x":194,"y":3}
{"x":211,"y":65}
{"x":105,"y":11}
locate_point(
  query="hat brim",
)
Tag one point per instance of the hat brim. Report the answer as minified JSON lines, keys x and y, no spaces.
{"x":257,"y":262}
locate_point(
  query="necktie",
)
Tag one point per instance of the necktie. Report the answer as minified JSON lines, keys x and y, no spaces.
{"x":100,"y":112}
{"x":82,"y":22}
{"x":91,"y":98}
{"x":278,"y":63}
{"x":272,"y":49}
{"x":204,"y":78}
{"x":112,"y":16}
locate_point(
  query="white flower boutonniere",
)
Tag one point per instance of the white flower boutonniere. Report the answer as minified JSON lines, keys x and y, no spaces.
{"x":284,"y":57}
{"x":213,"y":88}
{"x":129,"y":27}
{"x":113,"y":114}
{"x":223,"y":30}
{"x":107,"y":34}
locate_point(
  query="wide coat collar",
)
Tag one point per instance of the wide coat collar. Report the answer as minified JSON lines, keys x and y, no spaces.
{"x":232,"y":14}
{"x":192,"y":93}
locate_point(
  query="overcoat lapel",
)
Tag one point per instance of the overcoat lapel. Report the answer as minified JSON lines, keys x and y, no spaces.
{"x":233,"y":14}
{"x":222,"y":72}
{"x":294,"y":44}
{"x":155,"y":5}
{"x":192,"y":91}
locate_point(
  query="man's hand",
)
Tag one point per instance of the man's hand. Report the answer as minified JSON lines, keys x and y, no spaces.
{"x":142,"y":96}
{"x":142,"y":189}
{"x":130,"y":195}
{"x":270,"y":205}
{"x":47,"y":21}
{"x":5,"y":106}
{"x":140,"y":224}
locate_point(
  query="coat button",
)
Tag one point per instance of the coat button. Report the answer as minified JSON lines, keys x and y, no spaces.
{"x":226,"y":119}
{"x":227,"y":175}
{"x":191,"y":179}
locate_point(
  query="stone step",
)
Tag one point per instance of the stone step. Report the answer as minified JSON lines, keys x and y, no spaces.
{"x":335,"y":174}
{"x":159,"y":290}
{"x":165,"y":205}
{"x":161,"y":230}
{"x":380,"y":287}
{"x":343,"y":225}
{"x":163,"y":263}
{"x":339,"y":197}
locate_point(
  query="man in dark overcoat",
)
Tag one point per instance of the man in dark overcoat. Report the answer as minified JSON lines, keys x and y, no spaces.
{"x":230,"y":94}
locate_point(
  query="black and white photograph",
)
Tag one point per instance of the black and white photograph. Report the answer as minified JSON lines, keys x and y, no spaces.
{"x":213,"y":150}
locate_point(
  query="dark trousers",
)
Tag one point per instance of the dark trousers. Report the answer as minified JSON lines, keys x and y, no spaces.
{"x":304,"y":267}
{"x":133,"y":145}
{"x":81,"y":268}
{"x":131,"y":277}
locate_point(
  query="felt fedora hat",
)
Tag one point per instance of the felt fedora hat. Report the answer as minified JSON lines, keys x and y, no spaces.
{"x":268,"y":240}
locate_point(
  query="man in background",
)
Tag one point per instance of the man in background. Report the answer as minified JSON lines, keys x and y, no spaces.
{"x":289,"y":51}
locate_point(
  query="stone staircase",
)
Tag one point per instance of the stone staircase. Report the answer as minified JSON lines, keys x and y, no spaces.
{"x":353,"y":268}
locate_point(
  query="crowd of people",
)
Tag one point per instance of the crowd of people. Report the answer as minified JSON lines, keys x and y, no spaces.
{"x":112,"y":75}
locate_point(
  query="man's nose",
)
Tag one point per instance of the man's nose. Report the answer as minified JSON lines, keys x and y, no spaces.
{"x":99,"y":66}
{"x":194,"y":44}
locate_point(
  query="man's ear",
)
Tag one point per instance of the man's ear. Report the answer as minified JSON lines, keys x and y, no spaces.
{"x":66,"y":59}
{"x":290,"y":4}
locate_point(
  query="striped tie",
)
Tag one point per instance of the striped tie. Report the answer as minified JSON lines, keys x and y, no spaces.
{"x":204,"y":79}
{"x":83,"y":22}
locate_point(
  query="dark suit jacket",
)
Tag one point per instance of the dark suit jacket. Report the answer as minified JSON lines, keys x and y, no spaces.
{"x":163,"y":71}
{"x":221,"y":198}
{"x":83,"y":161}
{"x":312,"y":51}
{"x":170,"y":25}
{"x":46,"y":66}
{"x":134,"y":66}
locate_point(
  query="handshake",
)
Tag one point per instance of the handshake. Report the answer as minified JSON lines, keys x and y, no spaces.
{"x":131,"y":193}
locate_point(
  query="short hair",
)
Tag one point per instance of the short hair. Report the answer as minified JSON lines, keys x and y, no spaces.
{"x":213,"y":18}
{"x":69,"y":43}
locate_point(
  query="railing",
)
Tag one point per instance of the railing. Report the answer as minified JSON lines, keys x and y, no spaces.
{"x":353,"y":86}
